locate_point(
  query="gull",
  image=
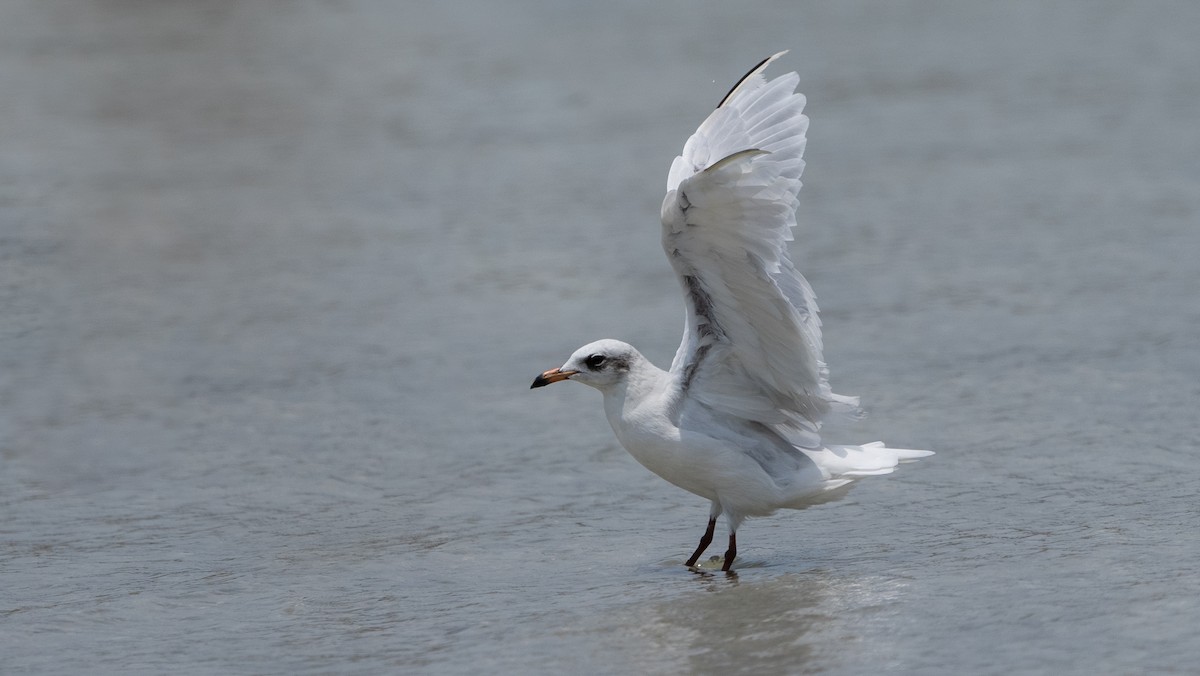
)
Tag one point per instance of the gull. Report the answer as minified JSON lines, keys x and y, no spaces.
{"x":737,"y":417}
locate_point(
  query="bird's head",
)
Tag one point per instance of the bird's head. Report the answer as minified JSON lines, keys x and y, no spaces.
{"x":601,"y":364}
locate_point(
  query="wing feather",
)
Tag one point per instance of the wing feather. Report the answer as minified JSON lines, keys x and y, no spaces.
{"x":752,"y":339}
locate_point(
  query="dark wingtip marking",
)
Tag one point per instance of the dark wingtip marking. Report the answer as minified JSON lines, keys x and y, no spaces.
{"x":759,"y":66}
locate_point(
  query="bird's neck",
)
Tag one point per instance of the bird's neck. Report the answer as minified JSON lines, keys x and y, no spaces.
{"x":643,"y":382}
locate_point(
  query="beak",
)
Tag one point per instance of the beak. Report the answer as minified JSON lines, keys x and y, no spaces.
{"x":551,"y":376}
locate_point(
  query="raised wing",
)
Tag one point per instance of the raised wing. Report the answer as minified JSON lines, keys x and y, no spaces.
{"x":752,"y":342}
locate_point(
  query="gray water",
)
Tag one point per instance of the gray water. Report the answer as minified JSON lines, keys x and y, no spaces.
{"x":275,"y":278}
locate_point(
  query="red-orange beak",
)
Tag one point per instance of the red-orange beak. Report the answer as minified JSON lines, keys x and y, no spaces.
{"x":551,"y":376}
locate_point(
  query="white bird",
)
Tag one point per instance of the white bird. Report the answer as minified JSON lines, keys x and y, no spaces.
{"x":737,"y":417}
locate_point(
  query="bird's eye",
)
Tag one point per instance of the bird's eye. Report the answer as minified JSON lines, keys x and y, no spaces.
{"x":595,"y":361}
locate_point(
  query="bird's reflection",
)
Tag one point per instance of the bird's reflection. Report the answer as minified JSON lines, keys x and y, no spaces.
{"x":745,"y":623}
{"x":729,"y":576}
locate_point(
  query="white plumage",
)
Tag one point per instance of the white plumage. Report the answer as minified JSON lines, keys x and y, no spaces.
{"x":737,"y":417}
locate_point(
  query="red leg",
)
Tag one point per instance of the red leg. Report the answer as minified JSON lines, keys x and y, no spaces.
{"x":731,"y":553}
{"x":704,"y":542}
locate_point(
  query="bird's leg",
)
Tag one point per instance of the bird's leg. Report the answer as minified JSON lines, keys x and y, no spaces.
{"x":731,"y":553}
{"x":704,"y":542}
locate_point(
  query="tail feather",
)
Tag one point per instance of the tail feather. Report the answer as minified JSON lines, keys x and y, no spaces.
{"x":862,"y":460}
{"x":903,"y":455}
{"x":842,"y":466}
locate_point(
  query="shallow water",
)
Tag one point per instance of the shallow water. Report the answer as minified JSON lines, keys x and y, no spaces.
{"x":275,"y":279}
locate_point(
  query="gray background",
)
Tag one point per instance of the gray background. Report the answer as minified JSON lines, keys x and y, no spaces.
{"x":275,"y":277}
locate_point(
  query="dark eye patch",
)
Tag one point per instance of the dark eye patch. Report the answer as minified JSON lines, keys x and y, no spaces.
{"x":595,"y":361}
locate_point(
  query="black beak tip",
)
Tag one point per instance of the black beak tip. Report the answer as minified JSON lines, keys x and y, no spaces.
{"x":539,"y":381}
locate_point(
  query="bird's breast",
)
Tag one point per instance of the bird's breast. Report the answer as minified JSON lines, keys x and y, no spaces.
{"x":657,"y":444}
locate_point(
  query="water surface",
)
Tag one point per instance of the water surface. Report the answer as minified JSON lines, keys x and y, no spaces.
{"x":275,"y":278}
